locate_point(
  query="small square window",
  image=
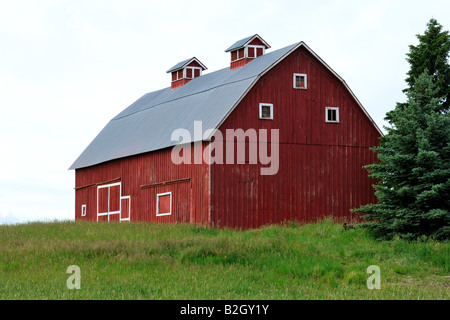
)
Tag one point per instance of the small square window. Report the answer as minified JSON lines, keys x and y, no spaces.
{"x":300,"y":81}
{"x":164,"y":204}
{"x":331,"y":114}
{"x":83,"y":210}
{"x":266,"y":111}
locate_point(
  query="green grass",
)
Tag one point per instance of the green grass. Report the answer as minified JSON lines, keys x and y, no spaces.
{"x":166,"y":261}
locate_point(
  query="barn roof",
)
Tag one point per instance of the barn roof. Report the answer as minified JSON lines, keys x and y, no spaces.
{"x":147,"y":124}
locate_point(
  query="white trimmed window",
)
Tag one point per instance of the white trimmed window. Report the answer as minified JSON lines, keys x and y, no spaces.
{"x":164,"y":204}
{"x":300,"y":81}
{"x":266,"y":111}
{"x":83,"y":210}
{"x":255,"y":51}
{"x":192,"y":72}
{"x":332,"y":114}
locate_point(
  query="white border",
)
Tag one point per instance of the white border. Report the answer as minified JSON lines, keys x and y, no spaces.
{"x":254,"y":47}
{"x":306,"y":81}
{"x":271,"y":111}
{"x":109,"y":213}
{"x":184,"y":73}
{"x":157,"y":204}
{"x":83,"y":206}
{"x":129,"y":208}
{"x":326,"y":114}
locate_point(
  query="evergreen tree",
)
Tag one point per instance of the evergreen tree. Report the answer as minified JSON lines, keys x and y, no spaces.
{"x":413,"y":171}
{"x":431,"y":54}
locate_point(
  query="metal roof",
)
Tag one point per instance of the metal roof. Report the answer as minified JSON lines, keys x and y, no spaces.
{"x":181,"y":64}
{"x":241,"y":43}
{"x":147,"y":124}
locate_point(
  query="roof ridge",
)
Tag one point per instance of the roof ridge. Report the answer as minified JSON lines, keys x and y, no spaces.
{"x":182,"y":97}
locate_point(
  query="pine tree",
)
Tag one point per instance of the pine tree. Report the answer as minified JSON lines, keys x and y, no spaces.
{"x":413,"y":171}
{"x":431,"y":54}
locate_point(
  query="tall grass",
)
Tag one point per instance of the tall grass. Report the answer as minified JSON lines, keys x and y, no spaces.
{"x":168,"y":261}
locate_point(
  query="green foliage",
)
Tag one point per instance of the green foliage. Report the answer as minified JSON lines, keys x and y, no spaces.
{"x":431,"y":54}
{"x":413,"y":171}
{"x":149,"y":261}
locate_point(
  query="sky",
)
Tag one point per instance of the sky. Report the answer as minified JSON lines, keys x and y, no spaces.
{"x":67,"y":67}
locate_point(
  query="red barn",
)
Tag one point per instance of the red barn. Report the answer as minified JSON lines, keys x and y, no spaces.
{"x":274,"y":137}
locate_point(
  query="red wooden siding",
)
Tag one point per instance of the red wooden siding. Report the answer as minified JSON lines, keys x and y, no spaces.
{"x":142,"y":177}
{"x":194,"y":64}
{"x":320,"y":165}
{"x":257,"y":42}
{"x":179,"y":83}
{"x":240,"y":63}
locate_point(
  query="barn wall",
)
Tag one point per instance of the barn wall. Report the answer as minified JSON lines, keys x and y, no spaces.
{"x":320,"y":170}
{"x":189,"y":185}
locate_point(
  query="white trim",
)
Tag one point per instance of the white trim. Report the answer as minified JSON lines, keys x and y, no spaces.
{"x":157,"y":204}
{"x":109,"y":213}
{"x":254,"y":47}
{"x":246,"y":52}
{"x":129,"y":208}
{"x":83,"y":210}
{"x":337,"y":114}
{"x":192,"y":68}
{"x":237,"y":54}
{"x":271,"y":111}
{"x":239,"y":59}
{"x":184,"y":73}
{"x":300,"y":75}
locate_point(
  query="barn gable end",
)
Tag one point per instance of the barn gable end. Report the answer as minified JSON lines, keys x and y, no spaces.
{"x":320,"y":163}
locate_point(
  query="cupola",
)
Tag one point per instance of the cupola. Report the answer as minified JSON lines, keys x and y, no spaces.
{"x":185,"y":71}
{"x":245,"y":50}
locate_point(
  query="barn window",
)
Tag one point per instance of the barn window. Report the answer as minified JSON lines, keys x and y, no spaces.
{"x":255,"y":51}
{"x":83,"y":210}
{"x":164,"y":204}
{"x":331,"y":114}
{"x":266,"y":111}
{"x":193,"y":72}
{"x":300,"y":81}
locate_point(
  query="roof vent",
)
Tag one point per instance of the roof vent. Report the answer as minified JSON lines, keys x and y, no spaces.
{"x":245,"y":50}
{"x":185,"y":71}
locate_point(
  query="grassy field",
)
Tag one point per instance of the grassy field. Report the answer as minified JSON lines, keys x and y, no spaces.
{"x":148,"y":261}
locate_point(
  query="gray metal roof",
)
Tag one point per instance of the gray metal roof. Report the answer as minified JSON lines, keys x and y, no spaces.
{"x":241,"y":43}
{"x":147,"y":124}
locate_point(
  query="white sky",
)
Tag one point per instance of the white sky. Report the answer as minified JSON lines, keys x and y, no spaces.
{"x":68,"y":67}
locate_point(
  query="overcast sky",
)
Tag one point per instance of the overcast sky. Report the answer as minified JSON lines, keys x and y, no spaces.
{"x":67,"y":67}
